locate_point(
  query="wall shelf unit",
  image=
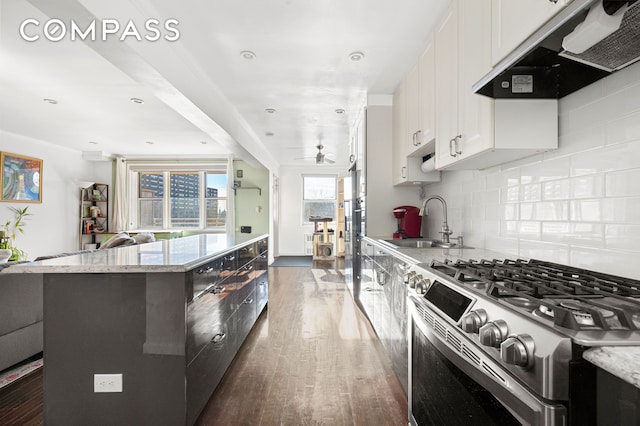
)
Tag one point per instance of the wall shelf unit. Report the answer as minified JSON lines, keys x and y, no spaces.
{"x":94,"y":214}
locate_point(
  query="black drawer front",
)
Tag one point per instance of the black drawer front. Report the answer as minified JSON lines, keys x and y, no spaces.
{"x":244,"y":282}
{"x":246,"y":317}
{"x":206,"y":276}
{"x":205,"y":315}
{"x":247,"y":253}
{"x":206,"y":370}
{"x":262,"y":282}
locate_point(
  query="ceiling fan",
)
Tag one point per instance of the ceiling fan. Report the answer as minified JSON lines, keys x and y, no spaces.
{"x":320,"y":156}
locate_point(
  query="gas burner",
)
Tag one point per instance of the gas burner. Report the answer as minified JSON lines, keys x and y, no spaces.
{"x":521,"y":302}
{"x":579,"y":312}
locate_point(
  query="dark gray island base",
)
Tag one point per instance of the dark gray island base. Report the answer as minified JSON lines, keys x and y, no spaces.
{"x":171,"y":334}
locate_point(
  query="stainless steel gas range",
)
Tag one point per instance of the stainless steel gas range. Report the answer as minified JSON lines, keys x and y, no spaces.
{"x":501,"y":341}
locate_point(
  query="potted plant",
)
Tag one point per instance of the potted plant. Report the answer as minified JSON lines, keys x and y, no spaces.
{"x":11,"y":229}
{"x":5,"y":247}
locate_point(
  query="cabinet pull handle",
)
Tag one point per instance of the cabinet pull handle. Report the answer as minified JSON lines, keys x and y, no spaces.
{"x":217,"y":290}
{"x":553,"y":1}
{"x":455,"y":142}
{"x":351,"y":158}
{"x":248,"y":301}
{"x":404,"y":172}
{"x":262,"y":283}
{"x":416,"y":139}
{"x":451,"y":152}
{"x":218,"y":338}
{"x":206,"y":270}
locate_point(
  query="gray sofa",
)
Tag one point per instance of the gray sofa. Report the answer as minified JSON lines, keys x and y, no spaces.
{"x":20,"y":317}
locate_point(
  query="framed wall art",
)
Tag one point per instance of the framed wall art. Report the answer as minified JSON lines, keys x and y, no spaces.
{"x":21,"y":178}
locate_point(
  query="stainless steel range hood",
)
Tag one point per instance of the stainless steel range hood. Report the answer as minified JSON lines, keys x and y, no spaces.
{"x":541,"y":68}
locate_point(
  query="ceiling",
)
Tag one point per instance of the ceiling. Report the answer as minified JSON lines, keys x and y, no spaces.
{"x":201,"y":95}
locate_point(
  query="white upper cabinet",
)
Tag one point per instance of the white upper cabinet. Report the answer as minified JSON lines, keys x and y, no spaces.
{"x":421,"y":104}
{"x":406,"y":166}
{"x":515,"y":20}
{"x":471,"y":133}
{"x":464,"y":120}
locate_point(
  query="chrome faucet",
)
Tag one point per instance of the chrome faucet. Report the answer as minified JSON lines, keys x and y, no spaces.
{"x":445,"y":226}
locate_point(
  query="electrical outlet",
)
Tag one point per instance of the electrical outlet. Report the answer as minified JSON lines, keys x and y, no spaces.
{"x":107,"y":382}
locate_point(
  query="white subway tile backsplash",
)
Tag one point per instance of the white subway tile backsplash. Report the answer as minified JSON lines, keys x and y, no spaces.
{"x":624,"y":183}
{"x":613,"y":158}
{"x":587,"y":187}
{"x":530,"y":230}
{"x":556,"y":168}
{"x":509,"y":228}
{"x":527,"y":211}
{"x":585,"y":234}
{"x":556,"y":190}
{"x":556,"y":210}
{"x":551,"y":252}
{"x":510,"y":194}
{"x":510,"y":211}
{"x":616,"y":262}
{"x":503,"y":179}
{"x":621,"y":210}
{"x":624,"y":237}
{"x":588,"y":210}
{"x":532,"y":192}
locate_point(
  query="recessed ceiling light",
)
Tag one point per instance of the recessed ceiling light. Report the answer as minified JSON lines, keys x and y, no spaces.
{"x":150,"y":142}
{"x":269,"y":134}
{"x":137,"y":100}
{"x":50,"y":101}
{"x":204,"y":142}
{"x":93,"y":142}
{"x":247,"y":54}
{"x":356,"y":56}
{"x":339,"y":111}
{"x":270,"y":111}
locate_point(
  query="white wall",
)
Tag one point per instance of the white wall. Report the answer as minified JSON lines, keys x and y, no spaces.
{"x":54,"y":224}
{"x":252,"y":207}
{"x":579,"y":204}
{"x":382,"y":196}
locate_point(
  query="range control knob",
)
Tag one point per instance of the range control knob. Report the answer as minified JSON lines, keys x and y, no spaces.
{"x":415,"y":280}
{"x":408,"y":277}
{"x":422,"y":286}
{"x":472,"y":321}
{"x":493,"y":333}
{"x":518,"y":350}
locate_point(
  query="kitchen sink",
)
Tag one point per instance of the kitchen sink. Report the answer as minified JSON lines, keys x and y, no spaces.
{"x":423,"y":243}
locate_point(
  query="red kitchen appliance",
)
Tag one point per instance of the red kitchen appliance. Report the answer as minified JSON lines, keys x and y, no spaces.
{"x":409,"y":222}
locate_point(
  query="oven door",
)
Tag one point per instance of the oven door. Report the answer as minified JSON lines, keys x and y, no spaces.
{"x":449,"y":388}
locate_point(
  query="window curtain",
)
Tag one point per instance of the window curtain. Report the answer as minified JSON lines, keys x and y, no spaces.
{"x":231,"y":216}
{"x":120,"y":212}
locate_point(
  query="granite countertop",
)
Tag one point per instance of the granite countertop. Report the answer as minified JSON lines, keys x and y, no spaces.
{"x":426,"y":255}
{"x":621,"y":361}
{"x":173,"y":255}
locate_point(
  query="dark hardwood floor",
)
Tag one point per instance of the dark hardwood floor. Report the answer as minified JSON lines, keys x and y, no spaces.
{"x":311,"y":359}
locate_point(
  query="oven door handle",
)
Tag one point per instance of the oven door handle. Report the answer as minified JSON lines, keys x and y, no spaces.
{"x":525,"y":406}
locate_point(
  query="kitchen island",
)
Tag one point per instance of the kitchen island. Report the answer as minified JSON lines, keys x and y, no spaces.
{"x":143,"y":334}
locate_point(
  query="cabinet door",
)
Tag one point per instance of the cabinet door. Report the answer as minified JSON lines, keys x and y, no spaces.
{"x":427,"y":117}
{"x":446,"y":73}
{"x":475,"y":112}
{"x":399,"y":156}
{"x":206,"y":370}
{"x":412,"y":108}
{"x":515,"y":20}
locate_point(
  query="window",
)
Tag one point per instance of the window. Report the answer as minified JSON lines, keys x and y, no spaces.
{"x":318,"y":197}
{"x":181,"y":199}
